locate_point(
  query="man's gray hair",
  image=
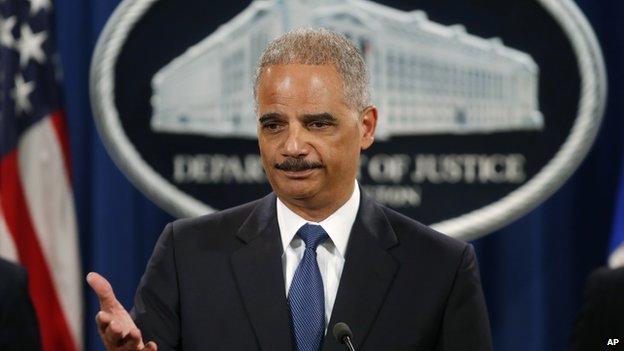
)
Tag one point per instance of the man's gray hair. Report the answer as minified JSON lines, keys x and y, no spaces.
{"x":318,"y":46}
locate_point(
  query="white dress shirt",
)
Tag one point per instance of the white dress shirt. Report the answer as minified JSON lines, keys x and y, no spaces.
{"x":329,"y":255}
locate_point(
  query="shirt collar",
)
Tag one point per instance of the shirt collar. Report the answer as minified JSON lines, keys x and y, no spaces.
{"x":337,"y":225}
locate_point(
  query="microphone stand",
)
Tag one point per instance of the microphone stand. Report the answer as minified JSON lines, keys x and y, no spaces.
{"x":347,"y":341}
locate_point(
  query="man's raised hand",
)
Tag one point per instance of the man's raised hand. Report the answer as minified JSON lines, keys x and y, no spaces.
{"x":116,"y":327}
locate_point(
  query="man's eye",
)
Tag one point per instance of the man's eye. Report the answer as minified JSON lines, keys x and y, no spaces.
{"x":318,"y":125}
{"x":271,"y":126}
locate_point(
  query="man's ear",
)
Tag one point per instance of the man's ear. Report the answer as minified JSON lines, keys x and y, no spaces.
{"x":368,"y":123}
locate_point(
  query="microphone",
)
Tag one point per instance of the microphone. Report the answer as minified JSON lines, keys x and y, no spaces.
{"x":343,"y":334}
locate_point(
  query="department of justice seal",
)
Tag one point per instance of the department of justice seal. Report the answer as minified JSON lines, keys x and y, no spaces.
{"x":482,"y":114}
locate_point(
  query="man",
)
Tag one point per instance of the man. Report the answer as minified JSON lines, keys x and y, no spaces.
{"x":277,"y":273}
{"x":602,"y":317}
{"x":19,"y":330}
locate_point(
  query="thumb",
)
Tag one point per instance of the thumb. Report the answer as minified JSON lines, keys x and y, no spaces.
{"x":103,"y":290}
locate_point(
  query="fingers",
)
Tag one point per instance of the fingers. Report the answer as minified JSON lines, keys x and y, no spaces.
{"x":104,"y":291}
{"x":116,"y":334}
{"x":151,"y":346}
{"x":133,"y":340}
{"x":102,"y":319}
{"x":114,"y":324}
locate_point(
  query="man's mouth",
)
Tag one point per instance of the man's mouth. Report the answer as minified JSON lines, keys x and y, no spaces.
{"x":298,"y":165}
{"x":302,"y":174}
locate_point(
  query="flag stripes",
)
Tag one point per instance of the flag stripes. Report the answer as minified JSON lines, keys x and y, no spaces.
{"x":55,"y":333}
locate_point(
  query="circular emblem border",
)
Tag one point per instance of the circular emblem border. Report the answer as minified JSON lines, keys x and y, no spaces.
{"x":469,"y":226}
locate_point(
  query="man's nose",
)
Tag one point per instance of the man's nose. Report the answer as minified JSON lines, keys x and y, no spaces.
{"x":295,"y":145}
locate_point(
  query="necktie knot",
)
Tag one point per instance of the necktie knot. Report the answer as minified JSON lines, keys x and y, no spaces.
{"x":312,"y":235}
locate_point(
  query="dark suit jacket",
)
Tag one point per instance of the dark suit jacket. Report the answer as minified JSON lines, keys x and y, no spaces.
{"x":19,"y":330}
{"x":602,"y":316}
{"x":216,"y":283}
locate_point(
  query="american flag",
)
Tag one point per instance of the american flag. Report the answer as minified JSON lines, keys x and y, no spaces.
{"x":616,"y":247}
{"x":37,"y":218}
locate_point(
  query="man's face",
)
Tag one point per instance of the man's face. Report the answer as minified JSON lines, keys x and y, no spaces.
{"x":310,"y":139}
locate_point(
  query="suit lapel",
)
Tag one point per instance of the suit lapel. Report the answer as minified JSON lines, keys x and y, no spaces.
{"x":258,"y":270}
{"x":367,"y":274}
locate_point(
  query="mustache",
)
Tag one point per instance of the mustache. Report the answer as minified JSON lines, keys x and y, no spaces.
{"x":297,"y":164}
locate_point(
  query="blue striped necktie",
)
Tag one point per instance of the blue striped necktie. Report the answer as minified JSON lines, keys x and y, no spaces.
{"x":306,"y":297}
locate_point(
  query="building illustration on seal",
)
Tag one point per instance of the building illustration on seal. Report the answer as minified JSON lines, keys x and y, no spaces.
{"x":426,"y":78}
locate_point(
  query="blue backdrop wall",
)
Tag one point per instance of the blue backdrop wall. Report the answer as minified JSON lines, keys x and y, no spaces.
{"x":533,"y":270}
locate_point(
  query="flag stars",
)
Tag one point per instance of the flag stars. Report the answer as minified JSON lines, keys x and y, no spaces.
{"x":20,"y":94}
{"x":29,"y":45}
{"x":37,"y":5}
{"x":6,"y":29}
